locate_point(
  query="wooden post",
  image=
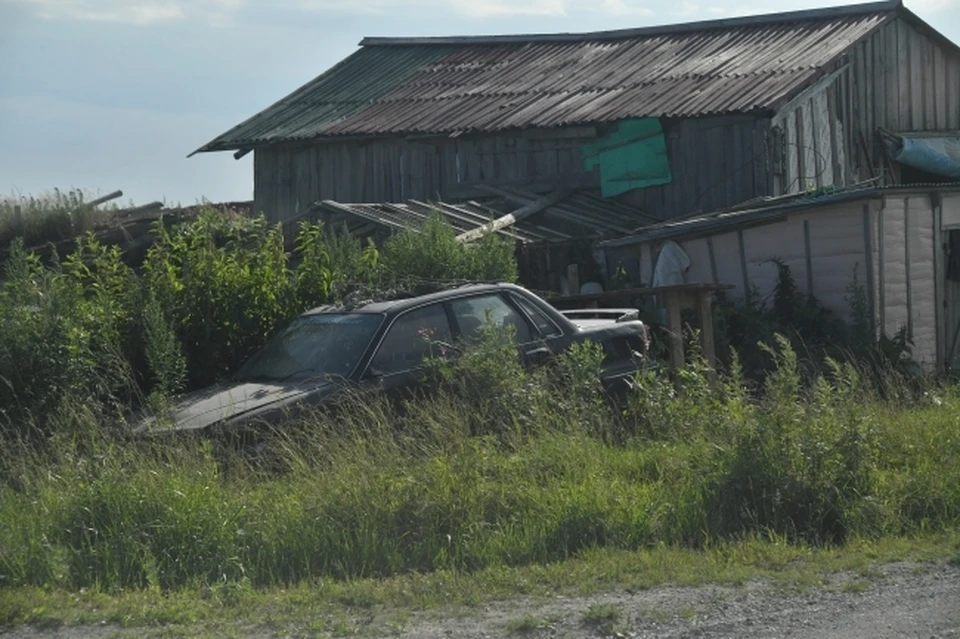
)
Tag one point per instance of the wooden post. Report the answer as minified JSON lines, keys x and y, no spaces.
{"x":675,"y":327}
{"x":573,"y":279}
{"x":17,"y":221}
{"x":706,"y":330}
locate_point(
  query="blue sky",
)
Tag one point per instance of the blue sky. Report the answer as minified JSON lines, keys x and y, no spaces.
{"x":108,"y":94}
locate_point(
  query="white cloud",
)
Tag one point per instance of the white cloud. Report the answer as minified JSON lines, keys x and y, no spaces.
{"x":931,"y":6}
{"x":138,"y":12}
{"x":625,"y":8}
{"x":479,"y":8}
{"x":108,"y":10}
{"x":500,"y":8}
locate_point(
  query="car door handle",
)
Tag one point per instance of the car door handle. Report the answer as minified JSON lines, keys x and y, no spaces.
{"x":538,"y":354}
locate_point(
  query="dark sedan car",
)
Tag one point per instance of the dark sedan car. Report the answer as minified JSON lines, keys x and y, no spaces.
{"x":382,"y":346}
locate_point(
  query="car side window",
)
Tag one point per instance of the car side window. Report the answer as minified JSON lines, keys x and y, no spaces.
{"x":471,"y":313}
{"x":411,"y":339}
{"x":545,"y":325}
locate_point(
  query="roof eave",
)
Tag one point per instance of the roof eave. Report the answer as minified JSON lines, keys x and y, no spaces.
{"x":709,"y":223}
{"x":250,"y":145}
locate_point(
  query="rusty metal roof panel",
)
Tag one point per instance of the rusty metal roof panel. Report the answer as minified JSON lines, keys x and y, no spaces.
{"x":485,"y":84}
{"x":580,"y":214}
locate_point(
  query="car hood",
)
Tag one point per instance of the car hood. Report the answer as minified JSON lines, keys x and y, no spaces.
{"x":226,"y":402}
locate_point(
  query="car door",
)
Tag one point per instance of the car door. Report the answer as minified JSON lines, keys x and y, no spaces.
{"x":472,"y":312}
{"x":413,"y":336}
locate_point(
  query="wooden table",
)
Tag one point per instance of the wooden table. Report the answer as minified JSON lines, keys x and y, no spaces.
{"x":675,"y":299}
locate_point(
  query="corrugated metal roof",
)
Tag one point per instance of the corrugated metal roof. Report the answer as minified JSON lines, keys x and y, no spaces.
{"x":455,"y":85}
{"x":725,"y":221}
{"x":765,"y":210}
{"x":578,"y":215}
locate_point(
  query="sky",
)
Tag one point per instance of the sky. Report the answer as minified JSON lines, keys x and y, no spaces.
{"x":114,"y":94}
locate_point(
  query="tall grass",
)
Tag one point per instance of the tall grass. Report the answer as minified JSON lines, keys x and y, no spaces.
{"x":51,"y":216}
{"x":537,"y":470}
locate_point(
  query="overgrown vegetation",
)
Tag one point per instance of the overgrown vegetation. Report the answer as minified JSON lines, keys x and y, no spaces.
{"x":543,"y":471}
{"x":747,"y":327}
{"x":209,"y":294}
{"x":49,"y":217}
{"x":500,"y":467}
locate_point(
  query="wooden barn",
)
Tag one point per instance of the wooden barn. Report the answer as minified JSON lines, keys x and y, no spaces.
{"x":667,"y":120}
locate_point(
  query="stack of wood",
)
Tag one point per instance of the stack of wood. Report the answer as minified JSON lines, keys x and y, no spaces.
{"x":129,"y":228}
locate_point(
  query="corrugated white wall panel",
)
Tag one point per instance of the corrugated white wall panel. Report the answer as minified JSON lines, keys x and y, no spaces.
{"x":836,"y":249}
{"x":901,"y":227}
{"x":893,"y":273}
{"x":783,"y":241}
{"x":699,"y":255}
{"x":874,"y":230}
{"x":726,"y":251}
{"x":923,"y":297}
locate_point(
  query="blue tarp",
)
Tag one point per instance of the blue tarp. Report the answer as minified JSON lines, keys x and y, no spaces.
{"x":934,"y":154}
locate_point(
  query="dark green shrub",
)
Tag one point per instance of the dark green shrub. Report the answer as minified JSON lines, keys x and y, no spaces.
{"x":806,"y":465}
{"x":67,"y":335}
{"x":227,"y":287}
{"x":432,"y":252}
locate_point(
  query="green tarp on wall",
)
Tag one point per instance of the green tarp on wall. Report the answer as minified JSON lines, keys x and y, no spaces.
{"x":633,"y":157}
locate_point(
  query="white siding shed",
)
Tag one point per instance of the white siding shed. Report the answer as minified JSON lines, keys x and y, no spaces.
{"x":895,"y":239}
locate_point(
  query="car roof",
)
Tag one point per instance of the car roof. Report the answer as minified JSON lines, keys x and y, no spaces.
{"x":405,"y":301}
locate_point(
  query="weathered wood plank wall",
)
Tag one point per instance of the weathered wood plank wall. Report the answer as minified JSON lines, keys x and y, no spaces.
{"x":714,"y":161}
{"x":900,"y":79}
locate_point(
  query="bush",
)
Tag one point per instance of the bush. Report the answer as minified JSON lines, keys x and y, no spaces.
{"x":67,"y":335}
{"x":93,"y":333}
{"x":227,"y":287}
{"x":432,"y":252}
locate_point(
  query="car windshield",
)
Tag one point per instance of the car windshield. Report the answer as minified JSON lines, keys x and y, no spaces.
{"x":312,"y":345}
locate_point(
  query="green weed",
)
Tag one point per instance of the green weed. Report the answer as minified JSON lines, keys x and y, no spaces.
{"x":524,"y":625}
{"x":604,"y":617}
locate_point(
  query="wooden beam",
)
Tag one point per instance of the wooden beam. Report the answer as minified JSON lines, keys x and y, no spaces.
{"x":512,"y":218}
{"x":100,"y":200}
{"x":707,"y":342}
{"x":743,"y":266}
{"x":624,"y":293}
{"x":573,"y":279}
{"x":805,"y":94}
{"x":675,"y":328}
{"x":713,"y":260}
{"x":143,"y":208}
{"x":808,"y":256}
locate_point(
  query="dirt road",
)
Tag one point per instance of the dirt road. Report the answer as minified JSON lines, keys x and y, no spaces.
{"x":897,"y":600}
{"x":900,"y":600}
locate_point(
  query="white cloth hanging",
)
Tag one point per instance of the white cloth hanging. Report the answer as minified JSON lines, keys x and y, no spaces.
{"x":672,"y":265}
